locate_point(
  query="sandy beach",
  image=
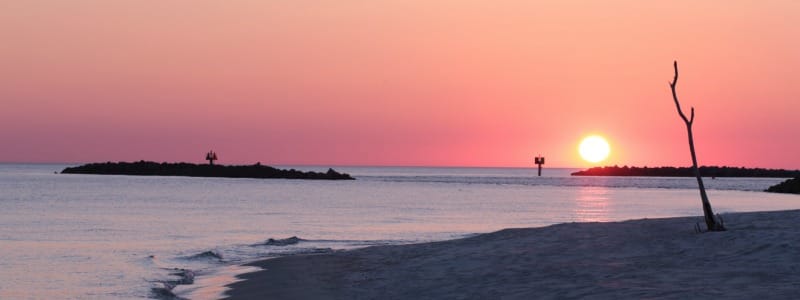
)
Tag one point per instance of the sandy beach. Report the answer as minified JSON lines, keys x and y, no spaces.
{"x":651,"y":258}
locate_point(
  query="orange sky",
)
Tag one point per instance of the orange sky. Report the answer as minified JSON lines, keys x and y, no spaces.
{"x":355,"y":82}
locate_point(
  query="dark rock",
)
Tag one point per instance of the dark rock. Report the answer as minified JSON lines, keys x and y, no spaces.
{"x":790,"y":186}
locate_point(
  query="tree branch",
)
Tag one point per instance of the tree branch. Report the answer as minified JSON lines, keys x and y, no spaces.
{"x":675,"y":96}
{"x":708,"y":213}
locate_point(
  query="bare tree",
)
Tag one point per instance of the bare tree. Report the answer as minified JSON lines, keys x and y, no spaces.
{"x":711,"y":221}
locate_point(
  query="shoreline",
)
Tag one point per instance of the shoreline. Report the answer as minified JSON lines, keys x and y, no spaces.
{"x":643,"y":258}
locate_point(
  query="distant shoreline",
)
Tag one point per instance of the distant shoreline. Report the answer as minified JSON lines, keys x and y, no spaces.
{"x":149,"y":168}
{"x":705,"y":171}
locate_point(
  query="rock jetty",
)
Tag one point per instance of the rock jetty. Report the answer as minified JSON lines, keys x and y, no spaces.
{"x":705,"y":171}
{"x":149,"y":168}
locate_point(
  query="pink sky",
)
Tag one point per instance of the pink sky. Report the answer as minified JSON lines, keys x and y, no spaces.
{"x":439,"y":83}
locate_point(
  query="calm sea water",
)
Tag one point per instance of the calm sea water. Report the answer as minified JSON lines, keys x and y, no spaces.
{"x":97,"y":237}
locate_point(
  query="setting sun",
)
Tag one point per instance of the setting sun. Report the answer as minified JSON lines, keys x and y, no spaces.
{"x":594,"y":148}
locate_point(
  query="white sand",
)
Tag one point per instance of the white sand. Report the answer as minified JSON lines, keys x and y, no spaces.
{"x":758,"y":257}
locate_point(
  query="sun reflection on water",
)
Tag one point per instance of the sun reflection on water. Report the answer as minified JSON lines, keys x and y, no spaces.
{"x":592,"y":204}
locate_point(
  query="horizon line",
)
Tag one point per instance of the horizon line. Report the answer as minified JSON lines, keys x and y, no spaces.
{"x":396,"y":166}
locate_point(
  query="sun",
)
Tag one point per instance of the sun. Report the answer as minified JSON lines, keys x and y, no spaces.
{"x":594,"y":148}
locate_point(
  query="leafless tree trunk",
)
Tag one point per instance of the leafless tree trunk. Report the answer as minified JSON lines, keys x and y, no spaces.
{"x":711,"y":221}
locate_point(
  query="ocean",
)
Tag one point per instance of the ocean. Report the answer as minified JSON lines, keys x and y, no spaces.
{"x":70,"y":236}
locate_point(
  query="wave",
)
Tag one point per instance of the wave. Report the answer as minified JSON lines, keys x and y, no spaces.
{"x":283,"y":242}
{"x":206,"y":263}
{"x":165,"y":288}
{"x":207,"y":255}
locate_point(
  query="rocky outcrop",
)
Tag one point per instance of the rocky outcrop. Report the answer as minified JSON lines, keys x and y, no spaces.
{"x":790,"y":186}
{"x":144,"y":168}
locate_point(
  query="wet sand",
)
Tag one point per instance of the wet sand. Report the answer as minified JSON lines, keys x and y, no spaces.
{"x":759,"y":256}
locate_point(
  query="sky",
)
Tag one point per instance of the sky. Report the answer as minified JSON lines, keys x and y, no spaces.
{"x":399,"y":82}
